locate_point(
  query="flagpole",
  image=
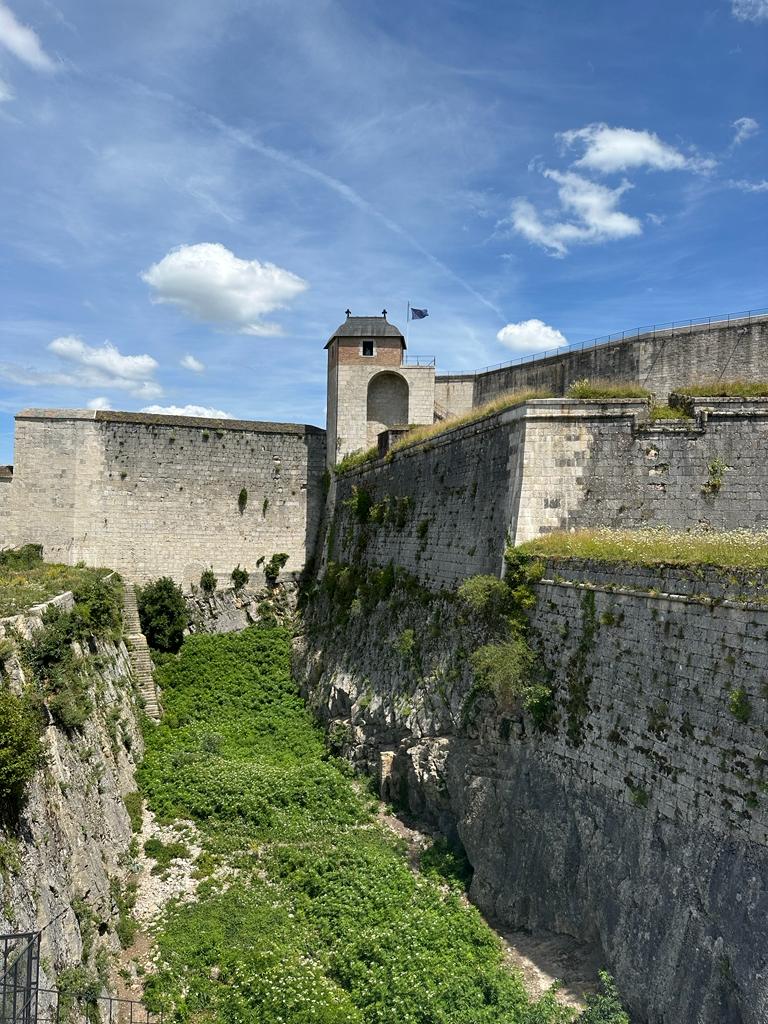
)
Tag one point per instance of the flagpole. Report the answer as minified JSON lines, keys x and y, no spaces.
{"x":407,"y":322}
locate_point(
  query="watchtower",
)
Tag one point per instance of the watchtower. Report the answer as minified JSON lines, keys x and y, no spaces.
{"x":371,"y":386}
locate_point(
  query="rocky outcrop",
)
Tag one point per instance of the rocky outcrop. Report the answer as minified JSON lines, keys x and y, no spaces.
{"x":633,"y":818}
{"x":230,"y":610}
{"x":66,"y":858}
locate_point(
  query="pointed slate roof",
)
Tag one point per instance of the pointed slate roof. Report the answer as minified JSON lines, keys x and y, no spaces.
{"x":366,"y":327}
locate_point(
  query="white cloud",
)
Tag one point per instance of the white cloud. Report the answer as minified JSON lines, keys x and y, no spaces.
{"x":745,"y":129}
{"x":23,"y":42}
{"x":6,"y":92}
{"x":210,"y":283}
{"x":99,"y":403}
{"x":531,"y":336}
{"x":592,"y":207}
{"x":609,"y":149}
{"x":107,"y":358}
{"x":749,"y":186}
{"x":94,"y":367}
{"x":190,"y":363}
{"x":750,"y":10}
{"x":188,"y":410}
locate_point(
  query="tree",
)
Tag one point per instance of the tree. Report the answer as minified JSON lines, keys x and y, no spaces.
{"x":163,"y":614}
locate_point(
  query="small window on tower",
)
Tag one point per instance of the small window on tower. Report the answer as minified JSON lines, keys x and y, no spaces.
{"x":367,"y":348}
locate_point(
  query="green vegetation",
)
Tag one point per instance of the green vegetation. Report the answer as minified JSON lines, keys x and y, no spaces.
{"x":355,"y":459}
{"x":134,"y":806}
{"x":49,"y":654}
{"x":320,"y":920}
{"x":163,"y":614}
{"x":242,"y":500}
{"x":669,"y":412}
{"x":715,"y":475}
{"x":725,"y":389}
{"x":446,"y":864}
{"x":577,"y":680}
{"x":604,"y":390}
{"x":164,"y":853}
{"x":25,"y":580}
{"x":274,"y":566}
{"x":208,"y":581}
{"x":499,"y":404}
{"x":239,"y":577}
{"x":21,"y":748}
{"x":739,"y":704}
{"x":604,"y":1007}
{"x":736,"y":549}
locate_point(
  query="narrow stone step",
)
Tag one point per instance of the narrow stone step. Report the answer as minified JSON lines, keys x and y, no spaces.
{"x":141,"y":661}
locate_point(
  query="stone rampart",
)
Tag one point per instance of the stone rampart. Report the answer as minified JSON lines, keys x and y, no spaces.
{"x":444,"y":508}
{"x":160,"y":495}
{"x":659,"y":360}
{"x":634,"y":817}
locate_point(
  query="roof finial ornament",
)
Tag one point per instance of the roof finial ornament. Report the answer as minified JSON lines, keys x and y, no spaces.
{"x":384,"y":313}
{"x":348,"y":312}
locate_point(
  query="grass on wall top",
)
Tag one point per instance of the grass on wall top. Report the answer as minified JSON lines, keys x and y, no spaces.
{"x":725,"y":389}
{"x":740,"y":549}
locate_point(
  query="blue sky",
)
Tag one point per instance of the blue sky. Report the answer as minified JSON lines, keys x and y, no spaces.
{"x":193,"y":193}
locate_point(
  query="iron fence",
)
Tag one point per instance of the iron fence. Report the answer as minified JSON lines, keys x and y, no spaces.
{"x":418,"y":360}
{"x":22,"y":1001}
{"x":19,"y":975}
{"x":607,"y":339}
{"x":56,"y":1007}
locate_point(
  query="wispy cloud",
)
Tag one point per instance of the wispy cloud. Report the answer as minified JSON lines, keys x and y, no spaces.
{"x":208,"y":282}
{"x":190,"y":363}
{"x":745,"y":128}
{"x":748,"y":186}
{"x":188,"y":410}
{"x":102,"y":402}
{"x":531,"y":336}
{"x":608,"y":150}
{"x":592,"y":208}
{"x":23,"y":42}
{"x":92,"y":367}
{"x":750,"y":10}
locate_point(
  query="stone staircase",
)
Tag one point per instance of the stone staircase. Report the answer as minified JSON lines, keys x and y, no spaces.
{"x":139,"y":651}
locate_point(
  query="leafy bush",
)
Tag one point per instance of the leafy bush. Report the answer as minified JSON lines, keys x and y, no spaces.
{"x":242,"y":500}
{"x":208,"y":581}
{"x":487,"y":596}
{"x":604,"y":1007}
{"x":21,"y":747}
{"x":274,"y":566}
{"x":447,"y":864}
{"x":27,"y":557}
{"x":739,"y":704}
{"x":163,"y":614}
{"x":239,"y":577}
{"x":164,"y":853}
{"x":508,"y":670}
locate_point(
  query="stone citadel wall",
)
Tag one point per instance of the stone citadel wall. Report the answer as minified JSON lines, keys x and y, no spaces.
{"x":446,"y":506}
{"x":636,"y":820}
{"x":155,"y":495}
{"x":659,"y":360}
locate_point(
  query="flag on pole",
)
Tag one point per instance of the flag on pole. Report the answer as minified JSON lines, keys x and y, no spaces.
{"x":418,"y":314}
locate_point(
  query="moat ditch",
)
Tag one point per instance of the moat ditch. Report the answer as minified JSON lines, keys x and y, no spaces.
{"x":306,"y":905}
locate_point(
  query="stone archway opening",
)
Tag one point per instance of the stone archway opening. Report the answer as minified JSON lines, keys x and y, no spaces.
{"x":387,"y":403}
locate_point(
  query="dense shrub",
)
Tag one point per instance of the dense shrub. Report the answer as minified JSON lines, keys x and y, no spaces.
{"x":21,"y":747}
{"x":163,"y":613}
{"x":274,"y":566}
{"x":239,"y":577}
{"x":208,"y":581}
{"x":487,"y":596}
{"x":27,"y":557}
{"x":604,"y":1007}
{"x":242,"y":500}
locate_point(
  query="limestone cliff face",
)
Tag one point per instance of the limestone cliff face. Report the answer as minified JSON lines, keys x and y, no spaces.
{"x":230,"y":611}
{"x":635,"y":821}
{"x":66,"y":859}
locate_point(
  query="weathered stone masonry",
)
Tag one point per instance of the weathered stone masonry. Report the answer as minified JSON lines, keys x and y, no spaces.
{"x":152,"y":495}
{"x":555,"y":464}
{"x":639,"y":821}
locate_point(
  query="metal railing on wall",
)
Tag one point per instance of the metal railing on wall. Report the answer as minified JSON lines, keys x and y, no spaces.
{"x":607,"y":339}
{"x":418,"y":361}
